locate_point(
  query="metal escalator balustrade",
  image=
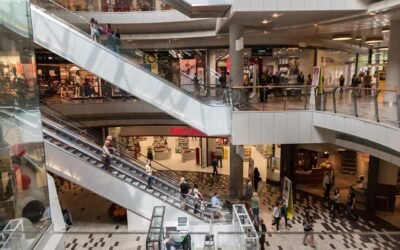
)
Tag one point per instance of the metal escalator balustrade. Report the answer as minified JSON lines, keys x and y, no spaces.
{"x":61,"y":31}
{"x":118,"y":169}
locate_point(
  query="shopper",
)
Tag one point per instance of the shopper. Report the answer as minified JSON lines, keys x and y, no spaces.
{"x":117,"y":39}
{"x":341,"y":83}
{"x":368,"y":84}
{"x":335,"y":202}
{"x":110,"y":37}
{"x":263,"y":230}
{"x":216,"y":204}
{"x":196,"y":85}
{"x":149,"y":172}
{"x":198,"y":198}
{"x":300,"y":79}
{"x":284,"y":210}
{"x":327,"y":183}
{"x":106,"y":156}
{"x":308,"y":229}
{"x":248,"y":190}
{"x":94,"y":30}
{"x":214,"y":164}
{"x":276,"y":214}
{"x":184,"y":188}
{"x":255,"y":207}
{"x":351,"y":201}
{"x":256,"y":178}
{"x":219,"y":154}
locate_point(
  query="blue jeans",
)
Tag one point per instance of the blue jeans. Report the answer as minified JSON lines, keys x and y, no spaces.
{"x":149,"y":181}
{"x":256,"y":213}
{"x":176,"y":245}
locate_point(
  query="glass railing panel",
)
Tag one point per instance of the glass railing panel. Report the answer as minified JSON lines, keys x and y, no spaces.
{"x":109,"y":39}
{"x":364,"y":103}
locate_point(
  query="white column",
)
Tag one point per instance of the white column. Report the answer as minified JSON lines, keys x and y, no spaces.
{"x":236,"y":54}
{"x":393,"y":64}
{"x":211,"y":66}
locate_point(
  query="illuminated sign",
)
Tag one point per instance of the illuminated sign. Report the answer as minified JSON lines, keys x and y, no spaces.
{"x":181,"y":131}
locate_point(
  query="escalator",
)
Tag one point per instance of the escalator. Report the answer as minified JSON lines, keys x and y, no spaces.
{"x":126,"y":70}
{"x":76,"y":159}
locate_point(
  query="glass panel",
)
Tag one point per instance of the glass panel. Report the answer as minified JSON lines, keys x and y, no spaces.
{"x":185,"y":72}
{"x":114,"y":5}
{"x":23,"y":187}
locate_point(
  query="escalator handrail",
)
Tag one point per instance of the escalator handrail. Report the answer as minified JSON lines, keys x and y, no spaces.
{"x":127,"y":60}
{"x":119,"y":143}
{"x":99,"y":149}
{"x":48,"y":133}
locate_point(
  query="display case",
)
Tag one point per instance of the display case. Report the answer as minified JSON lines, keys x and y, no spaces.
{"x":155,"y":234}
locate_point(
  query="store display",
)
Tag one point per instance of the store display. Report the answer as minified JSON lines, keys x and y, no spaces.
{"x":161,"y":150}
{"x":182,"y":143}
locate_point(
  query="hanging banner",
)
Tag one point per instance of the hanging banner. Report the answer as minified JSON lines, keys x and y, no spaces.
{"x":288,"y":193}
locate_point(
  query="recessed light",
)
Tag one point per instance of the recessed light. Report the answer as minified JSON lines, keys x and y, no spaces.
{"x":276,"y":14}
{"x":385,"y":29}
{"x":342,"y":37}
{"x":376,"y":39}
{"x":265,"y":21}
{"x":358,"y":38}
{"x":266,"y":32}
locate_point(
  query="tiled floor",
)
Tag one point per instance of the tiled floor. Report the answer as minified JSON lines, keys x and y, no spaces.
{"x":89,"y":213}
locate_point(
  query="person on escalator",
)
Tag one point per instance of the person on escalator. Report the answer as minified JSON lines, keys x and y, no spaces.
{"x":110,"y":37}
{"x":149,"y":171}
{"x":94,"y":30}
{"x":107,"y":156}
{"x":184,"y":187}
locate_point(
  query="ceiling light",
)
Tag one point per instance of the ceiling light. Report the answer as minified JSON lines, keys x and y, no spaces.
{"x":376,"y":39}
{"x":276,"y":14}
{"x":383,"y":48}
{"x":358,"y":38}
{"x":342,"y":37}
{"x":265,"y":21}
{"x":385,"y":29}
{"x":372,"y":14}
{"x":265,"y":32}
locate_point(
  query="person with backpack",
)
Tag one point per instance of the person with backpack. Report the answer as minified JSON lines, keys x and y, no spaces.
{"x":308,"y":229}
{"x":276,"y":214}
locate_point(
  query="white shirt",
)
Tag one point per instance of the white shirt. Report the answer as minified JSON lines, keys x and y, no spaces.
{"x":149,"y":170}
{"x":277,"y":212}
{"x":215,"y":202}
{"x":197,"y":193}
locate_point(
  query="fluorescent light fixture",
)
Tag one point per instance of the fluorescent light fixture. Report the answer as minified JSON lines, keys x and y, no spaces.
{"x":372,"y":14}
{"x":358,"y":38}
{"x":385,"y":29}
{"x":376,"y":39}
{"x":383,"y":48}
{"x":342,"y":37}
{"x":265,"y":21}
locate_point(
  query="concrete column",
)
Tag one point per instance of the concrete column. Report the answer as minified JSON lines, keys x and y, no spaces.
{"x":211,"y":64}
{"x":236,"y":57}
{"x":393,"y":64}
{"x":288,"y":158}
{"x":236,"y":172}
{"x":373,"y":172}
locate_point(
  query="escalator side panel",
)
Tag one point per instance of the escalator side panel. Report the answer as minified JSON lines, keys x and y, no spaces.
{"x":110,"y":187}
{"x":64,"y":40}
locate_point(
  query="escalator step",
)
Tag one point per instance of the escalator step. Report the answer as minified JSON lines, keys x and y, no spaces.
{"x":121,"y":176}
{"x":157,"y":194}
{"x":114,"y":172}
{"x":128,"y":179}
{"x":99,"y":165}
{"x":142,"y":186}
{"x":135,"y":183}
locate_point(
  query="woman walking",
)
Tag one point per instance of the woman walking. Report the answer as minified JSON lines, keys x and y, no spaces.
{"x":308,"y":229}
{"x":255,"y":207}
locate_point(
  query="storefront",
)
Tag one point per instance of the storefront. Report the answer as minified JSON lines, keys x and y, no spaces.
{"x":60,"y":78}
{"x":178,"y":66}
{"x":114,"y":5}
{"x":173,"y":146}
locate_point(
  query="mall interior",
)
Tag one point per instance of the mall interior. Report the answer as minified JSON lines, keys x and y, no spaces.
{"x":199,"y":124}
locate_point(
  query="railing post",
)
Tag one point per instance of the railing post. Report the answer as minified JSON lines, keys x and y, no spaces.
{"x":284,"y":98}
{"x":334,"y":99}
{"x":398,"y":109}
{"x":376,"y":108}
{"x":354,"y":98}
{"x":305,"y":97}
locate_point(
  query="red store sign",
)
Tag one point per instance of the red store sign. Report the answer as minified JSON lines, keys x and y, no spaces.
{"x":180,"y":131}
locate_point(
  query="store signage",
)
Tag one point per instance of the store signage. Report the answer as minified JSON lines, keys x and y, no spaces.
{"x":261,"y":52}
{"x":182,"y":131}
